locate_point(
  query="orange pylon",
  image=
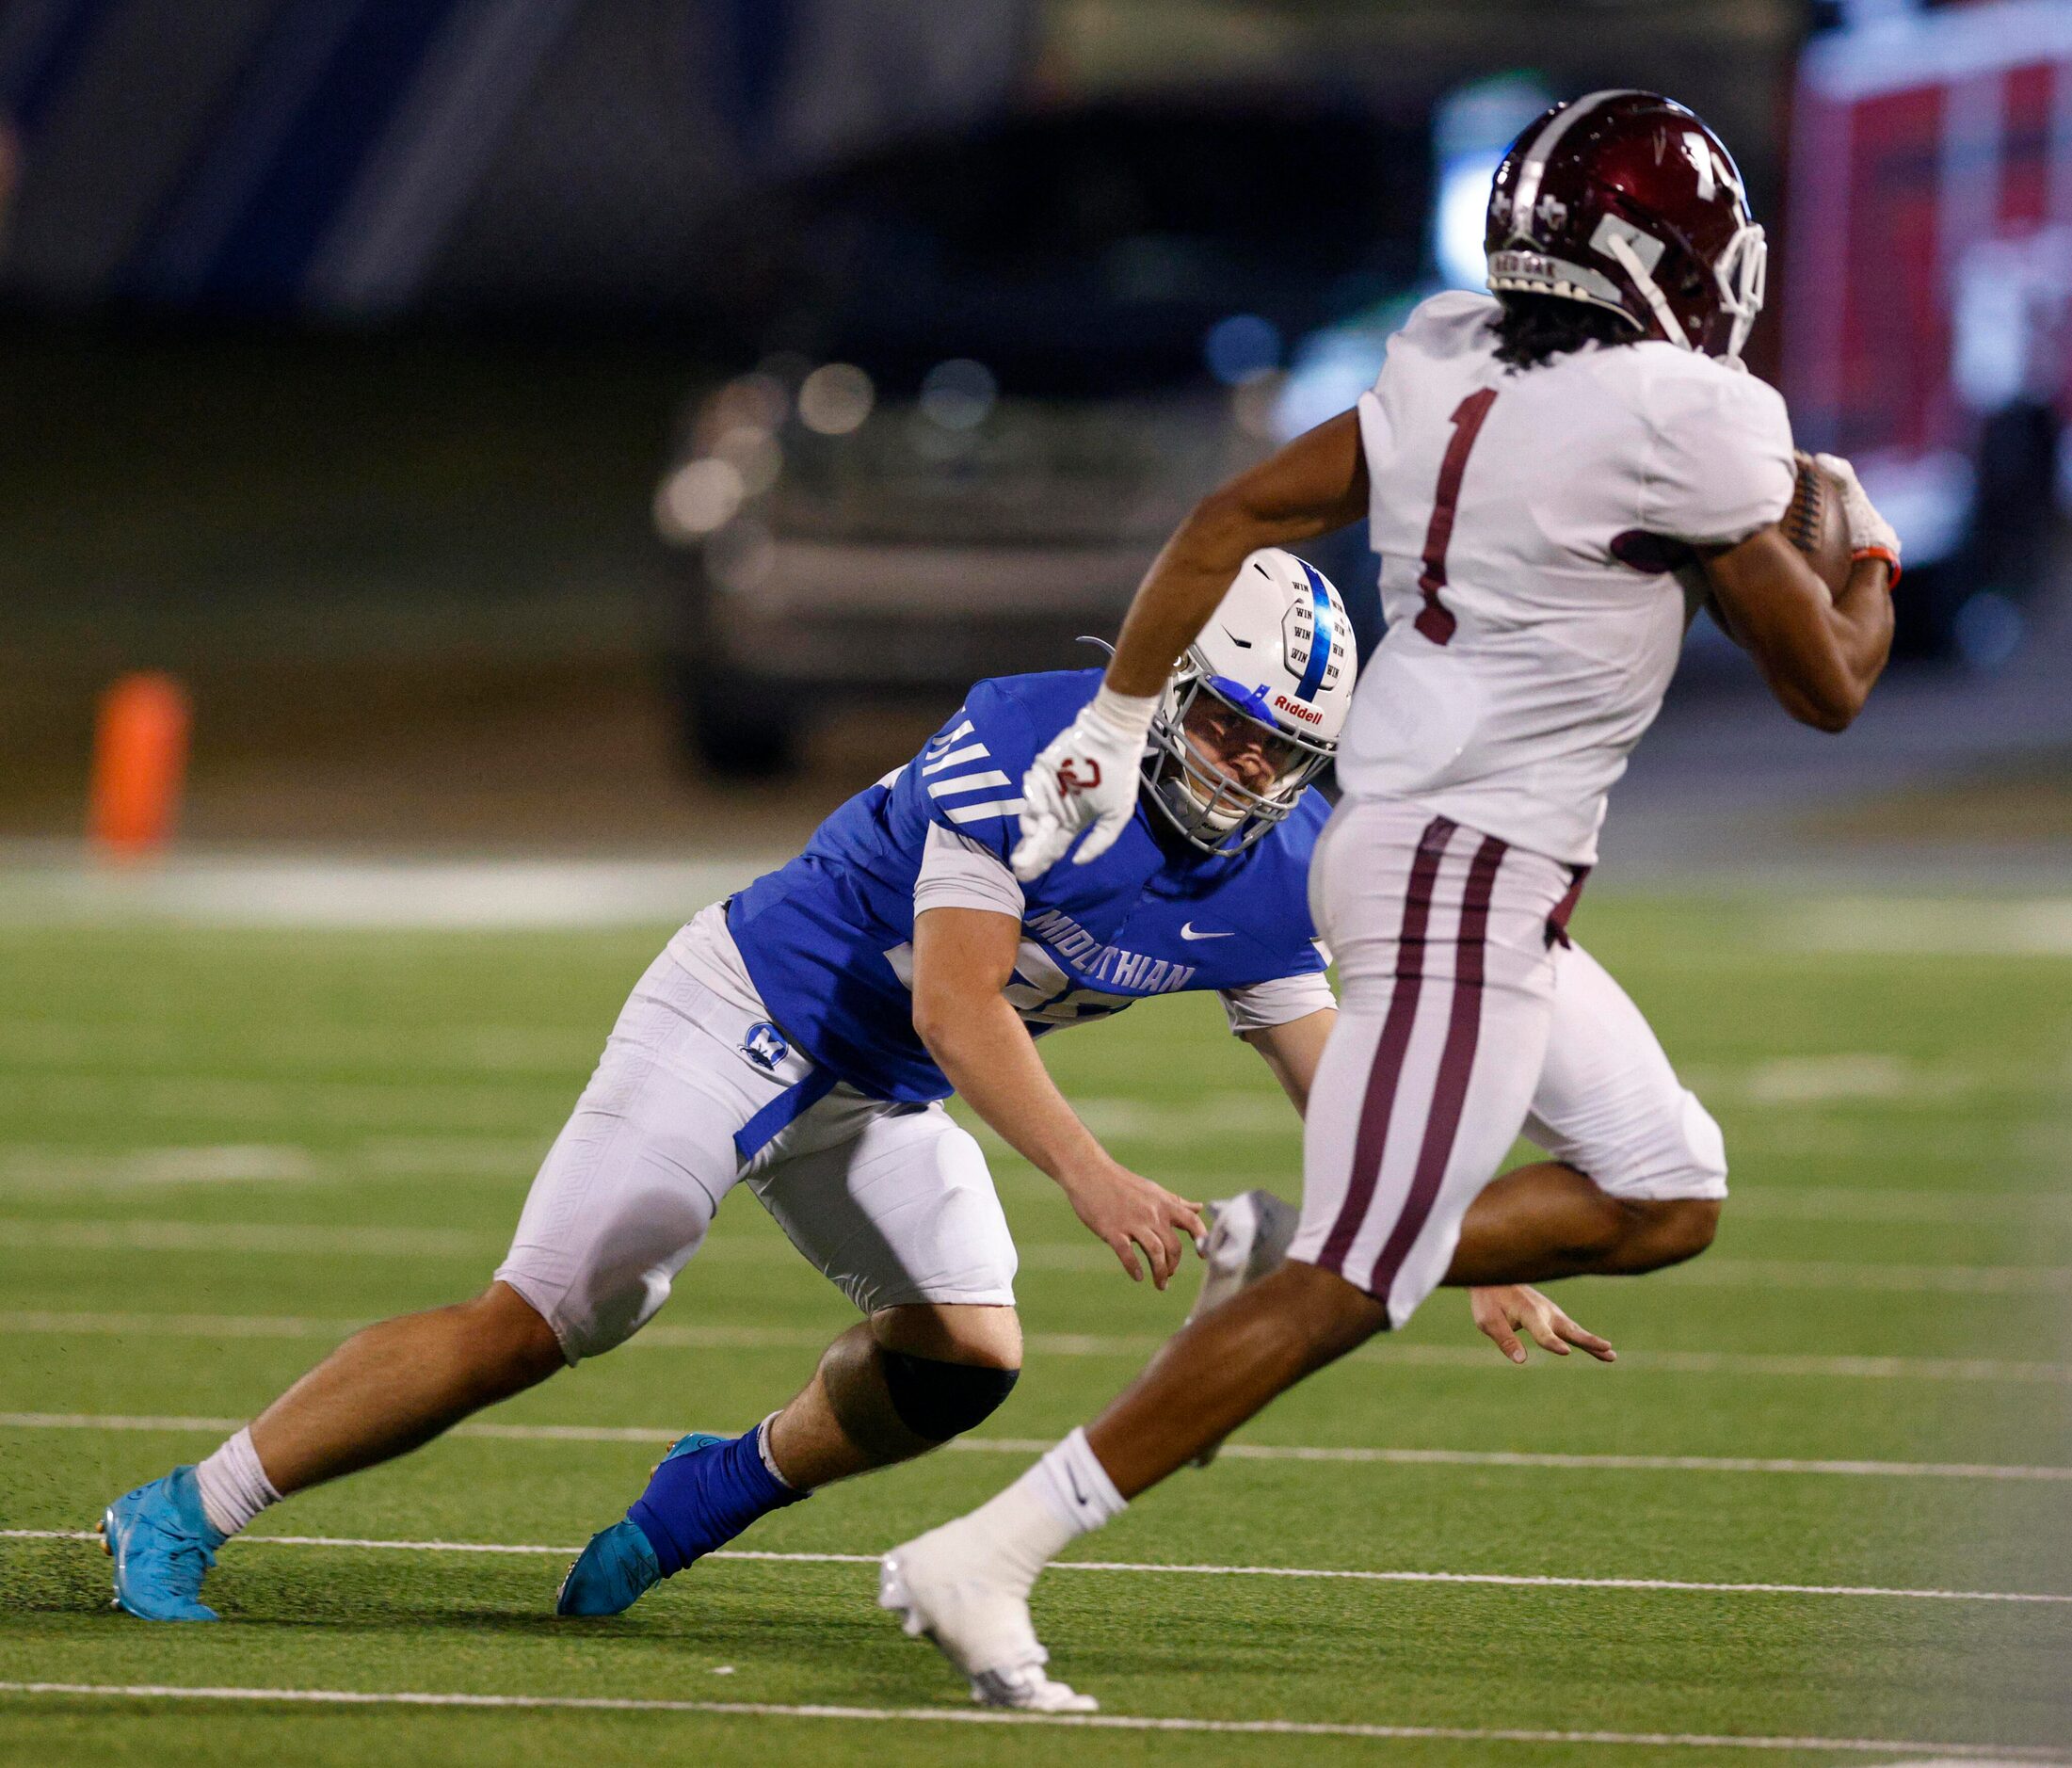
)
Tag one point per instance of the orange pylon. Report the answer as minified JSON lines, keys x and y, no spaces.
{"x":139,"y":764}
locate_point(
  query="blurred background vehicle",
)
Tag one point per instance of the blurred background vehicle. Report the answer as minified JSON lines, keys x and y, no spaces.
{"x":996,"y":368}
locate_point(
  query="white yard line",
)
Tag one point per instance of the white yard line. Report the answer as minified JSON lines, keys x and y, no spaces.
{"x":1760,"y":1365}
{"x":1324,"y":1574}
{"x":199,"y":887}
{"x":111,"y":1047}
{"x":345,"y":1105}
{"x":1239,"y":1451}
{"x":119,"y":1234}
{"x":1948,"y":1279}
{"x":1917,"y":926}
{"x":47,"y":1167}
{"x":1955,"y":1207}
{"x":984,"y":1716}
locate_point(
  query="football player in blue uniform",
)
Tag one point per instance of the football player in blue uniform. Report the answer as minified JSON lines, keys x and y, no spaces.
{"x":801,"y":1038}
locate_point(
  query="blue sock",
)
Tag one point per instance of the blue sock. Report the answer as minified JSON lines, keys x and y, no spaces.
{"x":702,"y":1501}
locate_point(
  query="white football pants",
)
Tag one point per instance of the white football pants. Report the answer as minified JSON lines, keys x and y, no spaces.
{"x":1467,"y":1018}
{"x":694,"y":1093}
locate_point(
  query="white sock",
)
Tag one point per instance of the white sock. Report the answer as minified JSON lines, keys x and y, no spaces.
{"x":1066,"y":1495}
{"x":1076,"y":1487}
{"x":235,"y":1487}
{"x":769,"y":1459}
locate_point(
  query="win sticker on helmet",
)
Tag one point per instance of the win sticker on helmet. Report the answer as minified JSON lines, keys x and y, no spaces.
{"x":1253,"y":713}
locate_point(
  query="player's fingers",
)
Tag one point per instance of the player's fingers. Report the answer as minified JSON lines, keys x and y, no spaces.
{"x":1042,"y":841}
{"x":1576,"y":1335}
{"x":1157,"y":1253}
{"x":1170,"y":1243}
{"x":1541,"y":1318}
{"x":1495,"y":1326}
{"x":1100,"y":838}
{"x":1119,"y":1244}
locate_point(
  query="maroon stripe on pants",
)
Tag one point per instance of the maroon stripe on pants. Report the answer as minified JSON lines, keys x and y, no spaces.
{"x":1455,"y":1064}
{"x":1380,"y":1098}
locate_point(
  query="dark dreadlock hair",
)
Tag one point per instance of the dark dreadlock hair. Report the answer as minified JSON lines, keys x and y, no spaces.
{"x":1533,"y":330}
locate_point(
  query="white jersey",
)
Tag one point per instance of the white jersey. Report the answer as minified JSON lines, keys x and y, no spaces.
{"x":1529,"y":524}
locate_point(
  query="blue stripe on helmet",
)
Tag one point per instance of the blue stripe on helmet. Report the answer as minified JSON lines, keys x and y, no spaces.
{"x":1320,"y":646}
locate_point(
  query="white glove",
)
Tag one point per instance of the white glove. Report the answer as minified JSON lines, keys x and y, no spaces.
{"x":1086,"y":779}
{"x":1870,"y":534}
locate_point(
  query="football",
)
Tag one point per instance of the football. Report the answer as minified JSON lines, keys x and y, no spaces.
{"x":1813,"y":523}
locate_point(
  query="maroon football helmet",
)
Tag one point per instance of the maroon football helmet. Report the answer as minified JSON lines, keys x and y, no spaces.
{"x":1626,"y":201}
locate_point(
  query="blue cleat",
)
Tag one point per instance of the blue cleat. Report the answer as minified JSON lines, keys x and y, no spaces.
{"x":619,"y":1567}
{"x":701,"y":1495}
{"x":163,"y":1547}
{"x":611,"y":1574}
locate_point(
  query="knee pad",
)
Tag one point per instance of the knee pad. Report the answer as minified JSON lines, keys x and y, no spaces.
{"x":938,"y":1400}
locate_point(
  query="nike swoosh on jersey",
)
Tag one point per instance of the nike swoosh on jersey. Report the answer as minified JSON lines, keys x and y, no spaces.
{"x":1187,"y":932}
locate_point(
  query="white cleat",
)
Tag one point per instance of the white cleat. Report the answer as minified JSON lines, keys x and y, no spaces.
{"x":1248,"y":1238}
{"x":977,"y":1613}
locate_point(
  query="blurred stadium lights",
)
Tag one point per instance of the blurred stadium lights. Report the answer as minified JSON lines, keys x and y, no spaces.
{"x":1240,"y":349}
{"x":1989,"y":629}
{"x":835,"y":398}
{"x":958,"y":395}
{"x":758,"y":401}
{"x":699,"y":496}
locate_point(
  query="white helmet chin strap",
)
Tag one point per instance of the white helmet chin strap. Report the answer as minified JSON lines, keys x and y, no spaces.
{"x":1619,"y":246}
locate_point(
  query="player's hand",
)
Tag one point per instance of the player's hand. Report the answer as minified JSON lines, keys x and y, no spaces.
{"x":1502,"y":1310}
{"x":1870,"y":534}
{"x":1084,"y":778}
{"x":1129,"y":1211}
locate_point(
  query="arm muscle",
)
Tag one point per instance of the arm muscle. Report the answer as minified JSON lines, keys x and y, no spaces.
{"x":1317,"y":483}
{"x":1820,"y":655}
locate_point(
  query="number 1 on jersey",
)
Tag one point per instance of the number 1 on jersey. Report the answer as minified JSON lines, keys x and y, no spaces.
{"x":1436,"y":620}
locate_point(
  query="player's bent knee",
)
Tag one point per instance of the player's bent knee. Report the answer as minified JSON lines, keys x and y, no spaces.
{"x":938,"y":1400}
{"x":509,"y":1328}
{"x":1664,"y":1232}
{"x":1686,"y":1226}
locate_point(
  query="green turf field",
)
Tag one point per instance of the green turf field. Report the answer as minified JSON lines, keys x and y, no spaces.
{"x":219,"y":1150}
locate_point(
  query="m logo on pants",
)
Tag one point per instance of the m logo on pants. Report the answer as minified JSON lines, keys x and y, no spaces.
{"x":765,"y":1045}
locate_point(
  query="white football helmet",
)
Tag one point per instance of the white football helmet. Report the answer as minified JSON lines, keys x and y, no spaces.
{"x":1279,"y":653}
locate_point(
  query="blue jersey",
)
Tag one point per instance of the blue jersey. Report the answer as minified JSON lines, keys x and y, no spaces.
{"x":828,"y":938}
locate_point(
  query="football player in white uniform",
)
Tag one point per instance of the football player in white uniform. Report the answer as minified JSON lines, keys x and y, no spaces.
{"x":1555,"y":475}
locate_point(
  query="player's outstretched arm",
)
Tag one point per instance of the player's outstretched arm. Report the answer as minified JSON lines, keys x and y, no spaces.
{"x":1084,"y":781}
{"x":1317,"y":483}
{"x":1819,"y":653}
{"x":963,"y":957}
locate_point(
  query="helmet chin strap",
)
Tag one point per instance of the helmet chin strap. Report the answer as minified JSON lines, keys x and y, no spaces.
{"x":1650,"y":292}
